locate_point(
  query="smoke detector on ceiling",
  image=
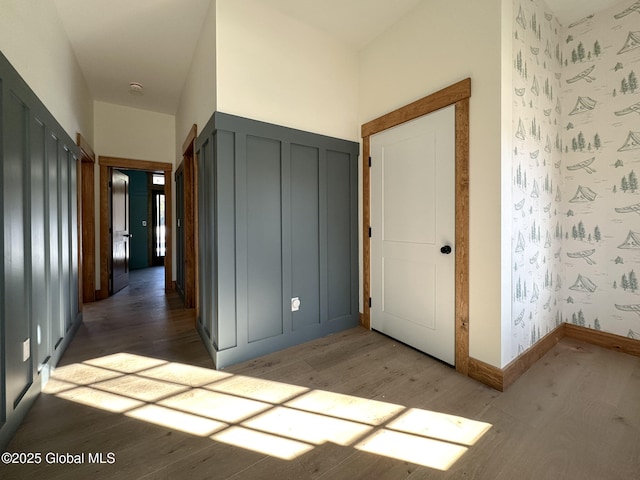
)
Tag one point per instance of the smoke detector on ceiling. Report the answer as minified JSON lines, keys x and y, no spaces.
{"x":136,"y":88}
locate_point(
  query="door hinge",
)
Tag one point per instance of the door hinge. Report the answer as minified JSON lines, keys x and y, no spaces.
{"x":110,"y":184}
{"x":369,"y":232}
{"x":369,"y":161}
{"x":369,"y":302}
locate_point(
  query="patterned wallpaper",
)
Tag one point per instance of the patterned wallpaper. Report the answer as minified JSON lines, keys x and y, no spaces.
{"x":537,"y":294}
{"x":576,"y":162}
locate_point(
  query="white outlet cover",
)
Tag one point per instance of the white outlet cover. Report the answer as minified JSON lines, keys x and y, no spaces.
{"x":26,"y":349}
{"x":295,"y":304}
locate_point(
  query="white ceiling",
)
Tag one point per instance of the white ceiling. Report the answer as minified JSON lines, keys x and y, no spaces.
{"x":569,"y":11}
{"x":121,"y":41}
{"x":152,"y":41}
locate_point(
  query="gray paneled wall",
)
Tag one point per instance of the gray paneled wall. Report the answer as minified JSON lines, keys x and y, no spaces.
{"x":278,"y":220}
{"x":39,"y":243}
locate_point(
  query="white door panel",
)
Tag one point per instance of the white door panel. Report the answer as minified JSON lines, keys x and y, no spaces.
{"x":412,"y":217}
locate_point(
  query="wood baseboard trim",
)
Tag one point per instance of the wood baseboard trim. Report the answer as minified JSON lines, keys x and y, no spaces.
{"x":603,"y":339}
{"x":524,"y":362}
{"x":487,"y":374}
{"x":501,"y":378}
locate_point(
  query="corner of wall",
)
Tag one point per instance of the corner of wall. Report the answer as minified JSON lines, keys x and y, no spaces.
{"x":506,"y":200}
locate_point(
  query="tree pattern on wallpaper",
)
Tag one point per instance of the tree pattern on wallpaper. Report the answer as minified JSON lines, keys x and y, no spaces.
{"x":576,"y":111}
{"x":537,"y":192}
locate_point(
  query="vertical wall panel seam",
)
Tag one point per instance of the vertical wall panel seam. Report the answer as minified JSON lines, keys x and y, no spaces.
{"x":286,"y":233}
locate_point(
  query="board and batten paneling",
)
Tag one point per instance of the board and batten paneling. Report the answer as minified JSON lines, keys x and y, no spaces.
{"x":277,"y":220}
{"x":39,"y":266}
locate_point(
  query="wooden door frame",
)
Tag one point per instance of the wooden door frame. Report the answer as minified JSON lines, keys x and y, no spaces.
{"x":106,"y":164}
{"x":457,"y":94}
{"x":86,"y":220}
{"x":190,"y":218}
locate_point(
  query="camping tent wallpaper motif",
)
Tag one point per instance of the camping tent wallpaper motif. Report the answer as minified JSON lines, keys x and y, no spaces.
{"x":575,"y":161}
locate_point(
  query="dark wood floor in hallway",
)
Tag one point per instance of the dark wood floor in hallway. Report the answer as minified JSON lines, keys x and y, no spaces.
{"x":137,"y":391}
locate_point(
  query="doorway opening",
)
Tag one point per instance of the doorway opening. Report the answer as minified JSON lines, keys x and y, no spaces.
{"x":160,"y":235}
{"x":158,"y":231}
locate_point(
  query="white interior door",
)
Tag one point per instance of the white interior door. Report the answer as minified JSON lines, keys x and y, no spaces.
{"x":412,"y":224}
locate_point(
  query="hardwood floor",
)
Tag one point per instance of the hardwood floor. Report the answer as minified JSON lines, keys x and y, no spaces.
{"x":136,"y":382}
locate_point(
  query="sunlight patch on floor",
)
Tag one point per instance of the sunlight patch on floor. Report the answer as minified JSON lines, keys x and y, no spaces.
{"x":440,"y":426}
{"x":258,"y":389}
{"x":308,"y":427}
{"x":81,"y":374}
{"x":371,"y":412}
{"x":273,"y":445}
{"x":185,"y":374}
{"x":144,"y":389}
{"x":215,"y":405}
{"x":412,"y":448}
{"x":181,"y":421}
{"x":125,"y":362}
{"x":98,"y":399}
{"x":273,"y":418}
{"x":54,"y":386}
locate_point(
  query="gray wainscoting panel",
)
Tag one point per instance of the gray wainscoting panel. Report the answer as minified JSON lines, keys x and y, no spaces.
{"x":305,"y":234}
{"x":205,"y":237}
{"x":39,"y":309}
{"x":38,"y":289}
{"x":339,"y":234}
{"x":264,"y":239}
{"x":16,"y":305}
{"x":268,"y":198}
{"x":223,"y":195}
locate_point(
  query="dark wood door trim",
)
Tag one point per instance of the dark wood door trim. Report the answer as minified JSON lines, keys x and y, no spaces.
{"x":86,"y":219}
{"x":106,"y":164}
{"x":457,"y":94}
{"x":189,"y":221}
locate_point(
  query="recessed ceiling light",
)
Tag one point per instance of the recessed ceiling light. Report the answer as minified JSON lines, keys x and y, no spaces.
{"x":136,"y":88}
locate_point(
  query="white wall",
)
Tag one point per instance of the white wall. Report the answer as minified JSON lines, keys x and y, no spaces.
{"x":440,"y":43}
{"x":198,"y":99}
{"x":34,"y":41}
{"x":134,"y":134}
{"x":273,"y":68}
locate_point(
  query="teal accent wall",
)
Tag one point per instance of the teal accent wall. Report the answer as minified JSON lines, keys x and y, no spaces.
{"x":138,"y":212}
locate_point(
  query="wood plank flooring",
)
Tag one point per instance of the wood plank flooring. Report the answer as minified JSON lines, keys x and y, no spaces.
{"x":137,"y":381}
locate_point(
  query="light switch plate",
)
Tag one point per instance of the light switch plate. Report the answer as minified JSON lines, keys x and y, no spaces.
{"x":26,"y":349}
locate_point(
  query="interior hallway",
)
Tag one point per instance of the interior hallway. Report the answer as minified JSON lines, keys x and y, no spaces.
{"x":137,"y":381}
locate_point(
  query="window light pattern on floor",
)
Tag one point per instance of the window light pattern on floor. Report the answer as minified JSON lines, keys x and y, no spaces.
{"x":277,"y":419}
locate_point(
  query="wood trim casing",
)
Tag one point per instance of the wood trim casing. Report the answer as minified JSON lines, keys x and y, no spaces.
{"x":106,"y":164}
{"x":190,"y":219}
{"x":86,"y":152}
{"x":87,"y":219}
{"x":457,"y":94}
{"x":603,"y":339}
{"x":502,"y":378}
{"x":189,"y":142}
{"x":516,"y":368}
